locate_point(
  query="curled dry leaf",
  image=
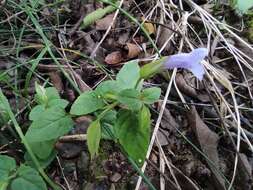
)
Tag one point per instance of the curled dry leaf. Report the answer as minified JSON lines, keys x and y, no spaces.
{"x":133,"y":50}
{"x":56,"y":81}
{"x":114,"y":58}
{"x":184,"y":87}
{"x":187,"y":86}
{"x":105,"y":22}
{"x":208,"y":141}
{"x":164,"y":35}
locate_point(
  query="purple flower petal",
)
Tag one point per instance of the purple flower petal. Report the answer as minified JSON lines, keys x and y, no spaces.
{"x":190,"y":61}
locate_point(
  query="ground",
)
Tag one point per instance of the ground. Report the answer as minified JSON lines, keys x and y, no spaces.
{"x":201,"y":130}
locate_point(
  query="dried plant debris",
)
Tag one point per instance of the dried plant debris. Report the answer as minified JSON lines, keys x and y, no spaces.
{"x":89,"y":89}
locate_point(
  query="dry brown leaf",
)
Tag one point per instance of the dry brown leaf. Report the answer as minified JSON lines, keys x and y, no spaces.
{"x":114,"y":58}
{"x":105,"y":22}
{"x":164,"y":35}
{"x":56,"y":81}
{"x":188,"y":88}
{"x":184,"y":87}
{"x":133,"y":50}
{"x":208,"y":141}
{"x":244,"y":174}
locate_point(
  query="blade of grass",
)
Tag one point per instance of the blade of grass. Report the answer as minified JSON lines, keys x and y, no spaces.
{"x":34,"y":65}
{"x":48,"y":44}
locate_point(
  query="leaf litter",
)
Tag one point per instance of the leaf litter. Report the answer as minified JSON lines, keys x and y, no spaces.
{"x":199,"y":153}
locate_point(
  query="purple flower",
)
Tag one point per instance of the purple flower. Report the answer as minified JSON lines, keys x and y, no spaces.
{"x":190,"y":61}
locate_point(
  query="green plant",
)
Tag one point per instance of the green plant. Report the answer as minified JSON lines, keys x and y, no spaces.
{"x":19,"y":178}
{"x":49,"y":122}
{"x":126,"y":103}
{"x":121,"y":114}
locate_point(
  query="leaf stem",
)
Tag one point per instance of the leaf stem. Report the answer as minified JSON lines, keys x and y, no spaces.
{"x":108,"y":108}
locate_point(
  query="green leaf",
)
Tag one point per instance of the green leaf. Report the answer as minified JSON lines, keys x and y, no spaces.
{"x":133,"y":132}
{"x":242,"y":5}
{"x":7,"y":165}
{"x":41,"y":96}
{"x":129,"y":75}
{"x":87,"y":102}
{"x":130,"y":98}
{"x":52,"y":93}
{"x":51,"y":124}
{"x":36,"y":112}
{"x":42,"y":149}
{"x":93,"y":137}
{"x":150,"y":95}
{"x":43,"y":163}
{"x":110,"y":87}
{"x":58,"y":103}
{"x":28,"y":178}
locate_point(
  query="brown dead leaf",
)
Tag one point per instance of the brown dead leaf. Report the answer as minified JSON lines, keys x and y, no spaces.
{"x":208,"y":141}
{"x":184,"y":87}
{"x":114,"y":58}
{"x":244,"y":174}
{"x":164,"y":35}
{"x":56,"y":81}
{"x":167,"y":131}
{"x":188,"y":88}
{"x":105,"y":22}
{"x":133,"y":50}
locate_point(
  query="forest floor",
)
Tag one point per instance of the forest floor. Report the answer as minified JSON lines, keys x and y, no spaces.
{"x":201,"y":130}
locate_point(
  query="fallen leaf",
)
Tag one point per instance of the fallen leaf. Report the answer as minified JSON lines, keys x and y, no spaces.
{"x":208,"y":141}
{"x":148,"y":26}
{"x":56,"y":81}
{"x":114,"y":58}
{"x":186,"y":84}
{"x":133,"y":50}
{"x":244,"y":175}
{"x":164,"y":35}
{"x":104,"y":23}
{"x":184,"y":87}
{"x":166,"y":133}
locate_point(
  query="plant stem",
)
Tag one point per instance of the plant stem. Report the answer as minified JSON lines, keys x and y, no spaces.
{"x":24,"y":141}
{"x":109,"y":107}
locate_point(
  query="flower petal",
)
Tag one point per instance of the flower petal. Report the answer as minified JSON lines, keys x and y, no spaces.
{"x":190,"y":61}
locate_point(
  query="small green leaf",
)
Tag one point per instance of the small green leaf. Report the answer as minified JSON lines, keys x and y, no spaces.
{"x":133,"y":132}
{"x":41,"y":96}
{"x":36,"y":112}
{"x":130,"y":98}
{"x":7,"y":165}
{"x":110,"y":87}
{"x":28,"y":178}
{"x":150,"y":95}
{"x":58,"y":103}
{"x":52,"y":93}
{"x":87,"y":102}
{"x":42,"y":149}
{"x":93,"y":137}
{"x":129,"y":75}
{"x":51,"y":124}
